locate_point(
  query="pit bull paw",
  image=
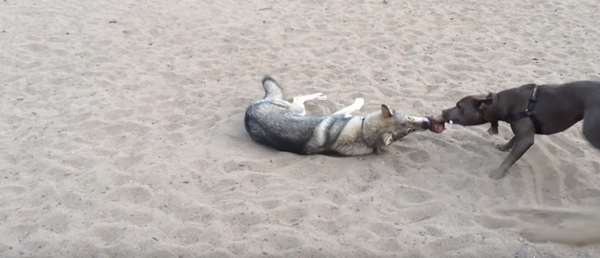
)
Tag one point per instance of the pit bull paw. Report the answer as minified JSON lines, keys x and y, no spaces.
{"x":502,"y":147}
{"x":493,"y":130}
{"x":497,"y":174}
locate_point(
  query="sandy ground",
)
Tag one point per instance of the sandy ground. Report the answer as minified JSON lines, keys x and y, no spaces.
{"x":121,"y":129}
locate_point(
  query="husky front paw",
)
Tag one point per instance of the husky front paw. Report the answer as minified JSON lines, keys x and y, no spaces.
{"x":321,"y":96}
{"x":359,"y":102}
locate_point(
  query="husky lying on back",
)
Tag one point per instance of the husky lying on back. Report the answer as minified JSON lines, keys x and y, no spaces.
{"x":282,"y":125}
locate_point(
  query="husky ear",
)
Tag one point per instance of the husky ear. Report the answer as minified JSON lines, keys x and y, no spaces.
{"x":386,"y":111}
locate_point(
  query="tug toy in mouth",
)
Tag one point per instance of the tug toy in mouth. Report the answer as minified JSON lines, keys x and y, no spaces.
{"x":437,"y":125}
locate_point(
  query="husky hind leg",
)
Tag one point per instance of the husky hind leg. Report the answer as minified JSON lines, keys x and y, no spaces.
{"x":591,"y":126}
{"x":272,"y":89}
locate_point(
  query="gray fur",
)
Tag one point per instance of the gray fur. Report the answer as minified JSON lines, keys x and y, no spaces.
{"x":283,"y":125}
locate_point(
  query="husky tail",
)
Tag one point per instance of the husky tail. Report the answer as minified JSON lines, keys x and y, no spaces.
{"x":272,"y":89}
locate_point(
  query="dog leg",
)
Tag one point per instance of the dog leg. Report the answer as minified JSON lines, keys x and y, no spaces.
{"x":524,"y":139}
{"x":507,"y":146}
{"x":356,"y":106}
{"x":304,"y":98}
{"x":591,"y":126}
{"x":493,"y":128}
{"x":298,"y":102}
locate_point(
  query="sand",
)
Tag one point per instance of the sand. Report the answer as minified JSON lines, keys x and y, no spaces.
{"x":121,"y":129}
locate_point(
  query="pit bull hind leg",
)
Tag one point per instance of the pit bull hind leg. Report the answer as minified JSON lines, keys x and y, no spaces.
{"x":591,"y":126}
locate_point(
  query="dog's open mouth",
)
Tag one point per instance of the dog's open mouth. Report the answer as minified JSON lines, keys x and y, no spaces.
{"x":437,"y":125}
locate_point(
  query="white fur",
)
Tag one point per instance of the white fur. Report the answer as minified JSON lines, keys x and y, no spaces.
{"x":298,"y":102}
{"x":356,"y":106}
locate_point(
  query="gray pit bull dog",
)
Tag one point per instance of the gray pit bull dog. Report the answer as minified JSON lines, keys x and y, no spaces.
{"x":531,"y":109}
{"x":284,"y":125}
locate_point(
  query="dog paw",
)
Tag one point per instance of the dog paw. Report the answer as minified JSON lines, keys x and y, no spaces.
{"x":502,"y":147}
{"x":314,"y":96}
{"x":321,"y":96}
{"x":359,"y":102}
{"x":497,"y":174}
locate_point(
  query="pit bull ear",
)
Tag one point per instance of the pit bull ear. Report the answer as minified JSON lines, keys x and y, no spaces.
{"x":486,"y":101}
{"x":482,"y":97}
{"x":386,"y":111}
{"x":490,"y":98}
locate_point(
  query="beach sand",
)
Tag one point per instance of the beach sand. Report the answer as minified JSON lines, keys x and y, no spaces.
{"x":121,"y":129}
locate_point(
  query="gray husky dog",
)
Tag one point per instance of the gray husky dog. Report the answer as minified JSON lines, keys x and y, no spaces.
{"x":283,"y":125}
